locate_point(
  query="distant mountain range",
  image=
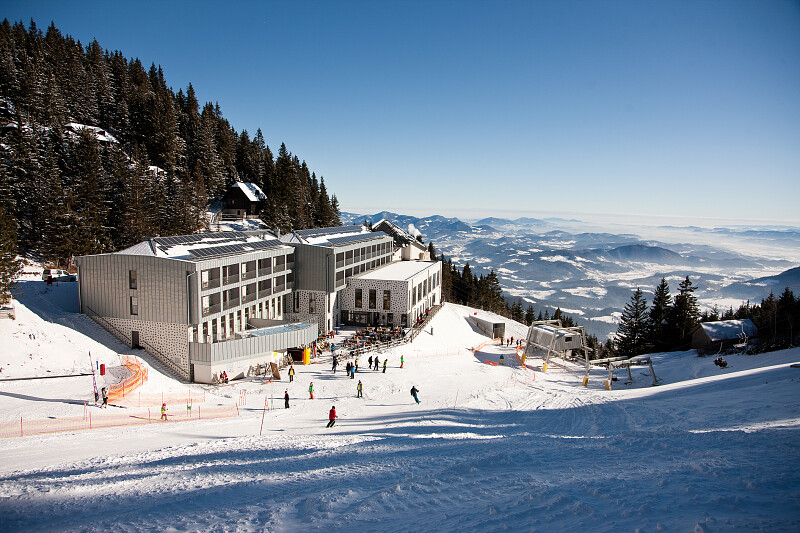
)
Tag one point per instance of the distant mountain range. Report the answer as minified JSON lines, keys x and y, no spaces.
{"x":551,"y":263}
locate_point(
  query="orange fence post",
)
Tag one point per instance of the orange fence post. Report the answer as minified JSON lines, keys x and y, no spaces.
{"x":21,"y":432}
{"x":90,"y":420}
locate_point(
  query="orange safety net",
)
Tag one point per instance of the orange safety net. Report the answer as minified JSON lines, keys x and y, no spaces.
{"x":143,"y":399}
{"x":22,"y":427}
{"x":483,"y":345}
{"x":128,"y":385}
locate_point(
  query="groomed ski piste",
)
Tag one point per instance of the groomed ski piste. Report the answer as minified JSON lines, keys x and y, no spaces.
{"x":490,"y":448}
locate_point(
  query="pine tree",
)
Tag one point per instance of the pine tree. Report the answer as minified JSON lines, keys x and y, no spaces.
{"x":686,"y":313}
{"x":632,"y":328}
{"x":10,"y":266}
{"x":658,"y":334}
{"x":529,"y":315}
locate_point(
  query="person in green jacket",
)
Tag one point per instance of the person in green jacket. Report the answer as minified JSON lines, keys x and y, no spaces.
{"x":311,"y":390}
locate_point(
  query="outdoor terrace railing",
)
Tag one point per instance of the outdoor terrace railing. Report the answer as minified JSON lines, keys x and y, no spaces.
{"x":211,"y":309}
{"x":210,"y":284}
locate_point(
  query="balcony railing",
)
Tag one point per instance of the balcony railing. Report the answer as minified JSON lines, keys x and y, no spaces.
{"x":231,"y":303}
{"x":211,"y":309}
{"x":249,"y":297}
{"x":230,"y":279}
{"x":279,"y":268}
{"x":280,"y":288}
{"x":210,"y":284}
{"x":248,"y":274}
{"x":265,"y":292}
{"x":290,"y":266}
{"x":265,"y":271}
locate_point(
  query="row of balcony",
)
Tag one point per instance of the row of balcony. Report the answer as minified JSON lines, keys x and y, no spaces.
{"x":214,"y":283}
{"x":350,"y":261}
{"x":245,"y":299}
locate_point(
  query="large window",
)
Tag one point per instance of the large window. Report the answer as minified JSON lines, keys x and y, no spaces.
{"x":373,"y":298}
{"x":134,"y":305}
{"x":359,"y":299}
{"x":296,"y":302}
{"x":312,"y":305}
{"x":387,"y":300}
{"x":132,"y":279}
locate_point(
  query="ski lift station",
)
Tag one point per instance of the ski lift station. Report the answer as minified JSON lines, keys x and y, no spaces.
{"x":551,"y":337}
{"x":495,"y":330}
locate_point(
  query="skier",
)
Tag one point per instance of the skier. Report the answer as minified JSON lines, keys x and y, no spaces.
{"x":163,"y":411}
{"x":384,"y":364}
{"x":359,"y":390}
{"x":311,"y":390}
{"x":355,"y":367}
{"x":502,"y":360}
{"x":291,"y":373}
{"x":335,"y":364}
{"x":347,"y":368}
{"x":353,"y":372}
{"x":105,"y":397}
{"x":414,"y":392}
{"x":401,"y":361}
{"x":286,"y":399}
{"x":331,"y":417}
{"x":370,"y":362}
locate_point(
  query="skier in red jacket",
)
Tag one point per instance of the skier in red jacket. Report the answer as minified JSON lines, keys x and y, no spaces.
{"x":332,"y":416}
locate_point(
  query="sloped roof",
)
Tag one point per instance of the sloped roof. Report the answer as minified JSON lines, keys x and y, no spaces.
{"x":329,"y":236}
{"x":251,"y":190}
{"x":729,"y":329}
{"x":200,"y":246}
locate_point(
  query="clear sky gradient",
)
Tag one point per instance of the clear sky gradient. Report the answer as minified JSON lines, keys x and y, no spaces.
{"x":684,"y":109}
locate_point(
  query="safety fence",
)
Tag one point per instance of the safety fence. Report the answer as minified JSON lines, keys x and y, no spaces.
{"x":144,"y":399}
{"x":23,"y":427}
{"x":483,"y":345}
{"x":129,"y":384}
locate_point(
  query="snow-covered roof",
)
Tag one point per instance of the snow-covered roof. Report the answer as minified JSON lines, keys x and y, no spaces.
{"x":729,"y":329}
{"x":401,"y":237}
{"x":251,"y":190}
{"x":398,"y":270}
{"x":330,"y":236}
{"x":200,"y":246}
{"x":99,"y":133}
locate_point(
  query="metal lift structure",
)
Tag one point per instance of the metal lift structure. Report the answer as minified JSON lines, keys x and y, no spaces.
{"x":552,"y":338}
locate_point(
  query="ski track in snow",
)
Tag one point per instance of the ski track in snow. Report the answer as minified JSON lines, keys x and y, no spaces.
{"x":489,"y":449}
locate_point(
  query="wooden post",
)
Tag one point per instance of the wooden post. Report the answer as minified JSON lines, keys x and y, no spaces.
{"x":652,"y":372}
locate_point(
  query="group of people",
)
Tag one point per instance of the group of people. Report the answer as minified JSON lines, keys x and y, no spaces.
{"x":510,"y":342}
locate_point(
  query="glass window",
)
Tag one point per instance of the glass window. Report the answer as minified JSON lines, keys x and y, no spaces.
{"x":312,"y":305}
{"x":134,"y":305}
{"x":372,"y":298}
{"x":296,"y":302}
{"x":132,"y":279}
{"x":387,"y":300}
{"x":359,"y":298}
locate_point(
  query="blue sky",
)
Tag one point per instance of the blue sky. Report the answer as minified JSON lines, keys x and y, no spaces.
{"x":687,"y":109}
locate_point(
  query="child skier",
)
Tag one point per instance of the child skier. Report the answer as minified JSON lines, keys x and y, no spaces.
{"x":163,"y":411}
{"x":311,"y":390}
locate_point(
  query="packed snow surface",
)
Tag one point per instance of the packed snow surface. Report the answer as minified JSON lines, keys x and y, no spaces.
{"x":490,"y":448}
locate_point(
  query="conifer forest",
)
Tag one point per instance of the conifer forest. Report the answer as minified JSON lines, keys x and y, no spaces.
{"x":98,"y":152}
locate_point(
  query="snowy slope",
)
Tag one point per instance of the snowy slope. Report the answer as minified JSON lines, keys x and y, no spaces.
{"x":489,"y":449}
